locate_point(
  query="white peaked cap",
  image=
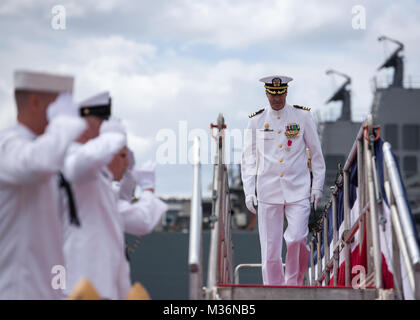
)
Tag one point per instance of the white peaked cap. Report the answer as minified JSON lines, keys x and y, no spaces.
{"x":98,"y":105}
{"x":269,"y":79}
{"x":43,"y":82}
{"x":99,"y":99}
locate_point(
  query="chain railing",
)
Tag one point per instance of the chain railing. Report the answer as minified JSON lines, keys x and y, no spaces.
{"x":370,"y":218}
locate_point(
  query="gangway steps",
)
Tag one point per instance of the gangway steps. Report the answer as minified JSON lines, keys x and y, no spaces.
{"x":255,"y":292}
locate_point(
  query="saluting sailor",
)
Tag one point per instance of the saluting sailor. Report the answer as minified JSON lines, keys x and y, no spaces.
{"x":96,"y":250}
{"x":89,"y":250}
{"x":276,"y":177}
{"x":137,"y":217}
{"x":32,"y":153}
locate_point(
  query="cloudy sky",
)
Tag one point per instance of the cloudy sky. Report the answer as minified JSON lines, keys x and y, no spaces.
{"x":172,"y":64}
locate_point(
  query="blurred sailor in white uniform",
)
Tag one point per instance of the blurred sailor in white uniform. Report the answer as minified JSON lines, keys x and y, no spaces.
{"x":138,"y":216}
{"x":96,"y":251}
{"x":276,"y":177}
{"x":32,"y":152}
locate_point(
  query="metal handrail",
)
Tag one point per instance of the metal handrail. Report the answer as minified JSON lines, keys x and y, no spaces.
{"x":195,"y":238}
{"x":377,"y":255}
{"x":403,"y":210}
{"x":338,"y":244}
{"x":403,"y":230}
{"x":249,"y":265}
{"x":244,"y":265}
{"x":370,"y":217}
{"x":220,"y":269}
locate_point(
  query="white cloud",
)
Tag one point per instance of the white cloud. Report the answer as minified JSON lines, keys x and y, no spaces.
{"x":237,"y":24}
{"x":10,"y":7}
{"x":140,"y":146}
{"x":74,"y":8}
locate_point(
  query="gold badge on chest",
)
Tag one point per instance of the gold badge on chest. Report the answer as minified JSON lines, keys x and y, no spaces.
{"x":292,"y":130}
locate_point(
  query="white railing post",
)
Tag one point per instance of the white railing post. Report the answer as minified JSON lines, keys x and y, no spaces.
{"x":346,"y":226}
{"x":377,"y":254}
{"x":195,"y":237}
{"x":336,"y":254}
{"x":220,"y":268}
{"x":212,"y":272}
{"x":326,"y":249}
{"x":360,"y":191}
{"x":312,"y":275}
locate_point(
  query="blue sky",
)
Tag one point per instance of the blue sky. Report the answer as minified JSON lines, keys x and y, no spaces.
{"x":171,"y":61}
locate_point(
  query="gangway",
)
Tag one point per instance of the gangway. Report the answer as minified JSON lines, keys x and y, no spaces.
{"x":367,"y":207}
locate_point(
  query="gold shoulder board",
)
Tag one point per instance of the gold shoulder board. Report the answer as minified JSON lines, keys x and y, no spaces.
{"x":302,"y":107}
{"x":255,"y":113}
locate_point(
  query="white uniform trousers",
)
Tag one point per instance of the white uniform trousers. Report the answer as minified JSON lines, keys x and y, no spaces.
{"x":270,"y":227}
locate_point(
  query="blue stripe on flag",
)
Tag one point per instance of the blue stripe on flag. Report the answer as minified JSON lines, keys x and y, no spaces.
{"x":353,"y":183}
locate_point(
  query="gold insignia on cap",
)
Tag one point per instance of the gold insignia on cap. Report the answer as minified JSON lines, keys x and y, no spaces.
{"x":276,"y":82}
{"x":85,"y":111}
{"x":276,"y":87}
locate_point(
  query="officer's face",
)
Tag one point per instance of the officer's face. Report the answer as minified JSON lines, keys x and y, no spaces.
{"x":277,"y":101}
{"x":119,"y":164}
{"x":94,"y":123}
{"x":36,"y":110}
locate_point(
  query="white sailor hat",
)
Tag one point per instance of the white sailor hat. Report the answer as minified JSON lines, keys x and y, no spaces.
{"x":99,"y":105}
{"x":276,"y":84}
{"x":43,"y":82}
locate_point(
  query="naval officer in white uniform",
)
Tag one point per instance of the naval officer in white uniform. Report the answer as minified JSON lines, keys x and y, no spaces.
{"x":276,"y":178}
{"x":31,"y":154}
{"x":90,"y":250}
{"x":96,"y":250}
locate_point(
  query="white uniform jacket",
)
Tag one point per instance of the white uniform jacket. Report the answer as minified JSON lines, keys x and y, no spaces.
{"x":275,"y":166}
{"x":96,"y":250}
{"x":138,"y":219}
{"x":31,"y":239}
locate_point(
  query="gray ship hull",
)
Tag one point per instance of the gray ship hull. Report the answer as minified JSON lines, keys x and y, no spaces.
{"x":160,"y":262}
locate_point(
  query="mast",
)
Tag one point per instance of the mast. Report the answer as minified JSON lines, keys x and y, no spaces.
{"x":342,"y":94}
{"x":394,"y":61}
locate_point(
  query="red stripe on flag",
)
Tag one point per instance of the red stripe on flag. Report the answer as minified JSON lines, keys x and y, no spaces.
{"x":357,"y":259}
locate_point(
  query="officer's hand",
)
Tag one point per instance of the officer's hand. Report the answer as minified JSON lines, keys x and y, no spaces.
{"x":114,"y":133}
{"x":316,"y":195}
{"x":113,"y":125}
{"x":145,"y":176}
{"x":131,"y":160}
{"x":250,"y":202}
{"x":62,"y":106}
